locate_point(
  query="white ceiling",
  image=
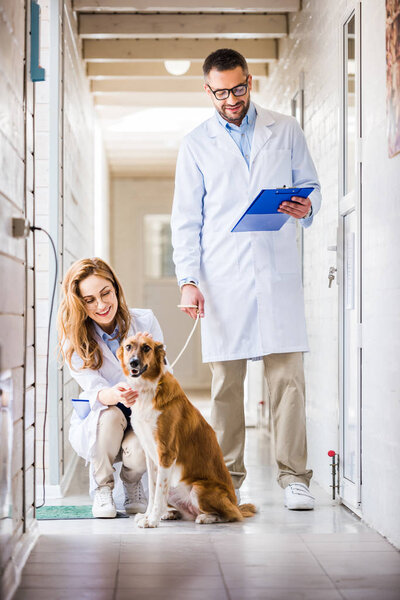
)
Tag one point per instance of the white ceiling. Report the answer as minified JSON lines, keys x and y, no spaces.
{"x":143,"y":110}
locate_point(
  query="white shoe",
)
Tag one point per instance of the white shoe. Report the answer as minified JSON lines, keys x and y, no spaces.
{"x":298,"y":497}
{"x":103,"y":503}
{"x":135,"y":498}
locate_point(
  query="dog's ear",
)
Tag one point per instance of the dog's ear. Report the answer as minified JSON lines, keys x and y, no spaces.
{"x":120,"y":353}
{"x":160,"y":352}
{"x":120,"y":356}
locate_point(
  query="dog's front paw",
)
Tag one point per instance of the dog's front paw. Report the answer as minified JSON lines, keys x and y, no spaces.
{"x":171,"y":515}
{"x":147,"y":521}
{"x":139,"y":516}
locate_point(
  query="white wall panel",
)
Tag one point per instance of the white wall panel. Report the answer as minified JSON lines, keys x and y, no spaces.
{"x":12,"y":272}
{"x":9,"y":245}
{"x":18,"y":393}
{"x":72,"y":209}
{"x":381,"y":290}
{"x":13,"y":128}
{"x":316,"y":54}
{"x":12,"y":347}
{"x":313,"y":47}
{"x":12,"y":46}
{"x":18,"y":446}
{"x":11,"y":172}
{"x":16,"y":168}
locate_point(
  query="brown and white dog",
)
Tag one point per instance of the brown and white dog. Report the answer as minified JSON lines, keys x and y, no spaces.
{"x":185,"y":465}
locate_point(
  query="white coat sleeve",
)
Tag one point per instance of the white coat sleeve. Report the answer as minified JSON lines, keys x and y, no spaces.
{"x":187,"y":214}
{"x":304,"y":173}
{"x":89,"y":380}
{"x":155,"y":329}
{"x":157,"y":334}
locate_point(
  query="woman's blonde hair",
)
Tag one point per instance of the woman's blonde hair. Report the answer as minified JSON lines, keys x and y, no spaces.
{"x":75,"y":328}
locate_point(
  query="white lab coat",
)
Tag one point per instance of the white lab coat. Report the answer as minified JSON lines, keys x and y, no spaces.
{"x":251,"y":282}
{"x":82,"y":433}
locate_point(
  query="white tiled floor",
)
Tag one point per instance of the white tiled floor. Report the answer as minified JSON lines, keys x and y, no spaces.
{"x":326,"y":554}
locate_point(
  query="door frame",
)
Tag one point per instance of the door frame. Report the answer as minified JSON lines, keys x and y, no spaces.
{"x":350,"y":492}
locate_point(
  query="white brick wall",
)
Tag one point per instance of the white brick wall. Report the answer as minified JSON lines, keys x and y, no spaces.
{"x":381,"y":291}
{"x":77,"y":219}
{"x":42,"y":245}
{"x":313,"y":47}
{"x":18,"y":529}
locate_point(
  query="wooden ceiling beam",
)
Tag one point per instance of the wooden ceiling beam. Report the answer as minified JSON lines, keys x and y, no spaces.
{"x":103,"y":70}
{"x":143,"y":99}
{"x":176,"y":49}
{"x":205,"y":26}
{"x":279,"y":6}
{"x":148,"y":85}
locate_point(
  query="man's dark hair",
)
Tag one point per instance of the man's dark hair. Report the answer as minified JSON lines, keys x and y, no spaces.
{"x":224,"y":59}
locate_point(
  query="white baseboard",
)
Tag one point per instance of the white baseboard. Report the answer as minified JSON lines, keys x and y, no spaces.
{"x":13,"y":570}
{"x":69,"y":473}
{"x":58,"y":491}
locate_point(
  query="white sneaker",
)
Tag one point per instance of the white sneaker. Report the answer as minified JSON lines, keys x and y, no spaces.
{"x":298,"y":497}
{"x":135,"y":498}
{"x":103,"y":503}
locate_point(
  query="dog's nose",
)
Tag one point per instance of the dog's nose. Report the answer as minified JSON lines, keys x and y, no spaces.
{"x":134,"y":362}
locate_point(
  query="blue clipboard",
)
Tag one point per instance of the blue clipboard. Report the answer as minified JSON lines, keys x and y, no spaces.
{"x":81,"y":406}
{"x":263,"y":215}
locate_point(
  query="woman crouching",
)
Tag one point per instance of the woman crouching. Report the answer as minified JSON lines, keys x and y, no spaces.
{"x":92,"y":319}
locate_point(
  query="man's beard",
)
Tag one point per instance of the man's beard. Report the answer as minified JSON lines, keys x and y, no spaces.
{"x":235,"y":117}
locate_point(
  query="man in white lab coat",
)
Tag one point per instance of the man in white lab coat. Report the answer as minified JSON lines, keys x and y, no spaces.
{"x":247,"y":286}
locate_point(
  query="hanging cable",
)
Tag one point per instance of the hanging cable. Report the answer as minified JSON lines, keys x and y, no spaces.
{"x":33,"y":228}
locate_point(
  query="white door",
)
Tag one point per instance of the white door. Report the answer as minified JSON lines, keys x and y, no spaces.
{"x":349,"y":265}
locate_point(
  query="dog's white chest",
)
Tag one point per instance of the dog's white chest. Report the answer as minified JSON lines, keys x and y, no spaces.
{"x":144,"y":423}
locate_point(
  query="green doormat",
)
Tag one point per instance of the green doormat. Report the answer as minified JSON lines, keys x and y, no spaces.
{"x":48,"y":513}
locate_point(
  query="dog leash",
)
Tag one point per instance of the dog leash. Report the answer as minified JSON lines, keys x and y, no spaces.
{"x":190,"y":334}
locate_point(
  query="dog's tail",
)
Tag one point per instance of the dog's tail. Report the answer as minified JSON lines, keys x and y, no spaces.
{"x":247,"y":510}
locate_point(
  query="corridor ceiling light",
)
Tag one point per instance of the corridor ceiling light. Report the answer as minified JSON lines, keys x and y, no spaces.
{"x":177,"y":67}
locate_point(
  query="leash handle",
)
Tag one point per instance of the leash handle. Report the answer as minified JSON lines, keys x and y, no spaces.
{"x":190,"y":334}
{"x":187,"y":306}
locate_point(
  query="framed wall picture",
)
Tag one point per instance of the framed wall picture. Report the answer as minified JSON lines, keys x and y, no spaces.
{"x":393,"y":75}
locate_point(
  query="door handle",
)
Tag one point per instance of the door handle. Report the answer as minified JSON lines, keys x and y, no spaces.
{"x":331,"y":275}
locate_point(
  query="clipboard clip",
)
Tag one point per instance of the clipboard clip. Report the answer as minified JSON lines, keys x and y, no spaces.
{"x":284,"y":190}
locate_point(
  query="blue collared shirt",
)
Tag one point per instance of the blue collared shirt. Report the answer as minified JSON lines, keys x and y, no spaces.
{"x":112,"y":344}
{"x":242,"y":134}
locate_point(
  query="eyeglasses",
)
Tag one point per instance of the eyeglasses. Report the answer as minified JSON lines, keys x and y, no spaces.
{"x":238,"y":90}
{"x":106,"y":296}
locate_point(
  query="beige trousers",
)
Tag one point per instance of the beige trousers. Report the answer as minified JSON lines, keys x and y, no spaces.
{"x":284,"y":375}
{"x":116,"y":442}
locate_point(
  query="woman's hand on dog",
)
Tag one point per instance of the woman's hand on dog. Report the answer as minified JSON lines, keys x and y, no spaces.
{"x":121,"y":392}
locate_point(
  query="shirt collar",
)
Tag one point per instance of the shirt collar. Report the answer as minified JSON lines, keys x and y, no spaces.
{"x":248,"y":119}
{"x":105,"y":336}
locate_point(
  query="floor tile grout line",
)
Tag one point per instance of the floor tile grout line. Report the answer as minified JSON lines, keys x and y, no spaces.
{"x":339,"y":591}
{"x":219,"y":567}
{"x":117,"y":572}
